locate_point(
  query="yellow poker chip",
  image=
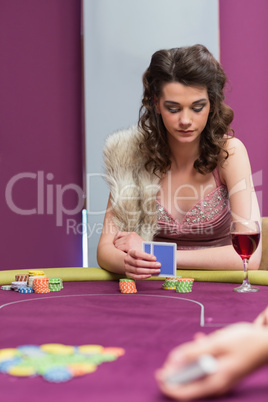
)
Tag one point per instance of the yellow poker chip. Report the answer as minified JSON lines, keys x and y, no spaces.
{"x":78,"y":369}
{"x":8,"y":353}
{"x":22,"y":371}
{"x":58,"y":348}
{"x":36,"y":273}
{"x":115,"y":351}
{"x":90,"y":349}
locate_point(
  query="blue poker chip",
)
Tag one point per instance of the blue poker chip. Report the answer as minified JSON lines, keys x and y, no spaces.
{"x":25,"y":289}
{"x":31,"y":350}
{"x":7,"y":364}
{"x":57,"y":374}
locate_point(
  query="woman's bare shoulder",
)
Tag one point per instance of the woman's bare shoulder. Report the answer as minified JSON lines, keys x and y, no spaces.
{"x":233,"y":145}
{"x":236,"y":156}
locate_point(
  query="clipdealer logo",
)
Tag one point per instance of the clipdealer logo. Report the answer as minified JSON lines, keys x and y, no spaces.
{"x":50,"y":197}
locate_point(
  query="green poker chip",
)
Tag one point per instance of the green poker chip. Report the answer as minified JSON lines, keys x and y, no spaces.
{"x":55,"y":284}
{"x":184,"y":287}
{"x":171,"y":283}
{"x":55,"y":280}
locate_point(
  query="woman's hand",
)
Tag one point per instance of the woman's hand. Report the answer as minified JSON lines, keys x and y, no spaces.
{"x":239,"y":349}
{"x":262,"y":318}
{"x":126,"y":241}
{"x":140,"y":265}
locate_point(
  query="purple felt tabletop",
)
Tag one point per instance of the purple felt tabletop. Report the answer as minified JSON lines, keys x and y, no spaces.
{"x":147,"y":325}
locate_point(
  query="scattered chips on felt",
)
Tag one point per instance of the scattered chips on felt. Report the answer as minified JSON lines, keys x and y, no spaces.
{"x":56,"y":362}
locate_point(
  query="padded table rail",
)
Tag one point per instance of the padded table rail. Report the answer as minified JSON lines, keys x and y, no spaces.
{"x":78,"y":274}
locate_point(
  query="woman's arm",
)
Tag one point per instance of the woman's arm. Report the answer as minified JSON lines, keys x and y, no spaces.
{"x":120,"y":252}
{"x":235,"y":173}
{"x":213,"y":258}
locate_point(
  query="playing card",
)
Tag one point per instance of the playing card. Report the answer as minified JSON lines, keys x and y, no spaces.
{"x":165,"y":253}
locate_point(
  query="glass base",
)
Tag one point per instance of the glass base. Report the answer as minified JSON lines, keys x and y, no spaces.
{"x":246,"y":288}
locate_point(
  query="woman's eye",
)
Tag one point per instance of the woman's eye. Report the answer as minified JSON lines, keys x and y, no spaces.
{"x":173,"y":110}
{"x":198,"y":109}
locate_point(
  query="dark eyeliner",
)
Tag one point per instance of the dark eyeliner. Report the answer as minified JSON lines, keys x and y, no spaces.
{"x":198,"y":108}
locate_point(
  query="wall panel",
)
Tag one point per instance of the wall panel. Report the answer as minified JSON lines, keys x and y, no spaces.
{"x":119,"y":39}
{"x":40,"y":125}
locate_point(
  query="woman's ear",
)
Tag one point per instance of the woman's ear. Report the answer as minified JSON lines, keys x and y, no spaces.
{"x":156,"y":104}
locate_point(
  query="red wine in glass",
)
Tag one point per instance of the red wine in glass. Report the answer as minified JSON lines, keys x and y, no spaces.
{"x":245,"y":244}
{"x":245,"y":239}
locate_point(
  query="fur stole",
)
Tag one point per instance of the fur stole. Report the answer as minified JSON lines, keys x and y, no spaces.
{"x":133,"y":189}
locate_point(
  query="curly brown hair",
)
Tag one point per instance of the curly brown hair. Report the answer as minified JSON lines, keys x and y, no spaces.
{"x":190,"y":66}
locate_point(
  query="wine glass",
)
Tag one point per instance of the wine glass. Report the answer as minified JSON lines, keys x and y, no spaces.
{"x":245,"y":239}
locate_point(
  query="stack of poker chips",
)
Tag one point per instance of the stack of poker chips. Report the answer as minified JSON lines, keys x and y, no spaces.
{"x":170,"y":283}
{"x":55,"y":284}
{"x":34,"y":281}
{"x":127,"y":286}
{"x":20,"y":284}
{"x":40,"y":285}
{"x":184,"y":285}
{"x":35,"y":275}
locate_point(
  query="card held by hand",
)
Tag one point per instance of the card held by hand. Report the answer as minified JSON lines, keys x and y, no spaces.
{"x":165,"y":253}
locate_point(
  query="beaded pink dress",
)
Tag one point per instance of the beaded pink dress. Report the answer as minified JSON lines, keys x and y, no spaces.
{"x":207,"y":224}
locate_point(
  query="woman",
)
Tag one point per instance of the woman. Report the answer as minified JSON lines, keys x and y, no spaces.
{"x":180,"y":176}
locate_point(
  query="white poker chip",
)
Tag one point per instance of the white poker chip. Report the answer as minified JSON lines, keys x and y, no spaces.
{"x":6,"y":287}
{"x":19,"y":283}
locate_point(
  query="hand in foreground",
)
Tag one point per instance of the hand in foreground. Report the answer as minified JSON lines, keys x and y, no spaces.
{"x":239,"y":350}
{"x":262,"y":318}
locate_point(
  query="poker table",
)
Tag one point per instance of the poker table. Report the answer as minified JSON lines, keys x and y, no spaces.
{"x":91,"y":310}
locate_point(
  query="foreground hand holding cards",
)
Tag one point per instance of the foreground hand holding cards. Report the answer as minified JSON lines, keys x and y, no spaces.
{"x":165,"y":253}
{"x":205,"y":365}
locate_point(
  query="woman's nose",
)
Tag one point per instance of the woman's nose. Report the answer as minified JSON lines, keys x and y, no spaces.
{"x":185,"y":118}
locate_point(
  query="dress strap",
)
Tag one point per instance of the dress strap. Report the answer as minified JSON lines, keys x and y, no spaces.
{"x":217,"y":176}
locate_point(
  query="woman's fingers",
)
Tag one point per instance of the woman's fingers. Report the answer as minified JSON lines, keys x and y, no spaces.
{"x":141,"y":265}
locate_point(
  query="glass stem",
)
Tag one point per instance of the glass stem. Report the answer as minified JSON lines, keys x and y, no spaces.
{"x":245,"y":264}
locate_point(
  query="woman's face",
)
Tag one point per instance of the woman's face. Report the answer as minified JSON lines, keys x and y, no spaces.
{"x":184,"y":111}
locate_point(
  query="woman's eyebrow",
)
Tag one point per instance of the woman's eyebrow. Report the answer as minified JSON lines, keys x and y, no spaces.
{"x":200,"y":100}
{"x":177,"y":103}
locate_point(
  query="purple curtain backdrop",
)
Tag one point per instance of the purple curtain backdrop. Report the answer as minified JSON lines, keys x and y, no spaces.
{"x":244,"y":56}
{"x":41,"y":140}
